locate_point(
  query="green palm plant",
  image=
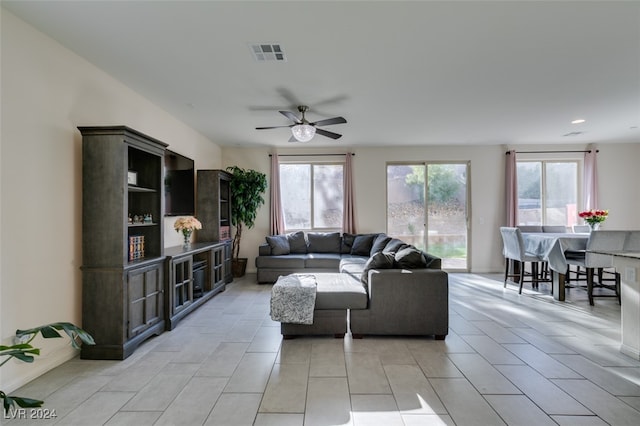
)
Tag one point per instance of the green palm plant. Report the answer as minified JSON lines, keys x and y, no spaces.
{"x":23,"y":351}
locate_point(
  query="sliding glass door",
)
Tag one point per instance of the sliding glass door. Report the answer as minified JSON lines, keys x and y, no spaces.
{"x":427,"y":206}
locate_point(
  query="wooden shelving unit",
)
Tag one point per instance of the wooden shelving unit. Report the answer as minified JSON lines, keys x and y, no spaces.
{"x":122,"y":295}
{"x":213,"y":209}
{"x":132,"y":288}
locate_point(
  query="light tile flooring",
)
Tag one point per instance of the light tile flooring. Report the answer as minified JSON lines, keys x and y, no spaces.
{"x":508,"y":359}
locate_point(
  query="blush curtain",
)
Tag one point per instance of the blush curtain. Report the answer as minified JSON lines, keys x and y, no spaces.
{"x":590,"y":180}
{"x":511,"y":189}
{"x":348,"y":209}
{"x":276,"y":218}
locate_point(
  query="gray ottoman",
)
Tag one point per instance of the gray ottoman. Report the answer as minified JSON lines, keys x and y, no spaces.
{"x":336,"y":293}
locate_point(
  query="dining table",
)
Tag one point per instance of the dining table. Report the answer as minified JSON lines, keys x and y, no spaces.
{"x":551,"y":248}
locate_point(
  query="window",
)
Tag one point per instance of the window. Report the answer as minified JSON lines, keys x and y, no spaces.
{"x":427,"y":207}
{"x":312,"y":196}
{"x":547,"y":192}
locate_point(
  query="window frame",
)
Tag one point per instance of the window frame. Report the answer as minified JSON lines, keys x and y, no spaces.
{"x":579,"y":162}
{"x":312,"y":165}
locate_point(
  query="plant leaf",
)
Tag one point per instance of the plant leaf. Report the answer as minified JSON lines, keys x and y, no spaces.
{"x":27,"y":402}
{"x":22,"y":352}
{"x":49,"y":331}
{"x":7,"y":403}
{"x":23,"y":402}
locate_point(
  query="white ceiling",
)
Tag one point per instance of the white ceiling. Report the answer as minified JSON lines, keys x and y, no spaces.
{"x":401,"y":73}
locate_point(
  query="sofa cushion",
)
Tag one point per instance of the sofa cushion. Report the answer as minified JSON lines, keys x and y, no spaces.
{"x":362,"y":244}
{"x":353,"y":259}
{"x":379,"y":260}
{"x":347,"y":242}
{"x":297,"y":242}
{"x":410,"y":258}
{"x":290,"y":261}
{"x":379,"y":243}
{"x":353,"y":265}
{"x":394,"y":245}
{"x":279,"y":244}
{"x":320,"y":242}
{"x":340,"y":291}
{"x":322,"y":261}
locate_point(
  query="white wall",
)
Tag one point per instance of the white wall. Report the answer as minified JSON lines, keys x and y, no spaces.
{"x":47,"y":91}
{"x":618,"y":177}
{"x":617,"y":165}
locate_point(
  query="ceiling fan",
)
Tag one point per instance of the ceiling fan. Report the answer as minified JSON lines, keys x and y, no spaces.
{"x":303,"y":130}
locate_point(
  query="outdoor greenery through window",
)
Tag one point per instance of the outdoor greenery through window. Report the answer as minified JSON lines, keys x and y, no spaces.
{"x":547,"y":192}
{"x":427,"y":207}
{"x":312,"y":196}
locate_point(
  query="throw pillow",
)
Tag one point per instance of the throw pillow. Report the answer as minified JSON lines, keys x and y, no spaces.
{"x":279,"y":244}
{"x":319,"y":242}
{"x":394,"y":245}
{"x":379,"y":260}
{"x":297,"y":242}
{"x":347,"y":242}
{"x":379,"y":243}
{"x":410,"y":258}
{"x":432,"y":261}
{"x":362,"y":244}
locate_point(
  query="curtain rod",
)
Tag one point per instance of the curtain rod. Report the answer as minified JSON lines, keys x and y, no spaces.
{"x":548,"y":152}
{"x":310,"y":155}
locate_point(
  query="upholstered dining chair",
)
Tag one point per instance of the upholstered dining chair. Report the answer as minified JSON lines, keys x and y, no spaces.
{"x":592,"y":262}
{"x":514,"y":251}
{"x":542,"y":269}
{"x":557,"y":229}
{"x":529,"y":228}
{"x":581,"y":229}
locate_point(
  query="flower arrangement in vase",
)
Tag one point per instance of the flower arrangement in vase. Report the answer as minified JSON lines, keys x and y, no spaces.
{"x":594,"y":217}
{"x":187,"y":225}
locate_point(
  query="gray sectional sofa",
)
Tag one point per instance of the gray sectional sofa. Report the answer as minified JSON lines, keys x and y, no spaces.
{"x":374,"y":283}
{"x":322,"y":252}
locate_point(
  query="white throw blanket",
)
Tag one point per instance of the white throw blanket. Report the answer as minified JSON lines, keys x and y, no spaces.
{"x":293,"y":298}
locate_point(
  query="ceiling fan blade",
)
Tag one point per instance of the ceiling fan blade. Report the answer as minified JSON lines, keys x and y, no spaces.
{"x":328,"y":121}
{"x":272,"y":127}
{"x":293,"y":139}
{"x":328,"y":134}
{"x":291,"y":116}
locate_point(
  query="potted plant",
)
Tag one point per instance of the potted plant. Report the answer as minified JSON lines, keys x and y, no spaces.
{"x":23,"y":351}
{"x":247,"y":187}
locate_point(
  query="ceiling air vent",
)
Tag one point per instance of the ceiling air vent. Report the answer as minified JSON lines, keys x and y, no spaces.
{"x":263,"y":52}
{"x":573,"y":134}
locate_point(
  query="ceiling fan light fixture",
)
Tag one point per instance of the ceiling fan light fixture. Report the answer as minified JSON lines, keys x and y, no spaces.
{"x":303,"y":132}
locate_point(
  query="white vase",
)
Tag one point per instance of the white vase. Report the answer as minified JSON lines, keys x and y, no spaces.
{"x":594,"y":226}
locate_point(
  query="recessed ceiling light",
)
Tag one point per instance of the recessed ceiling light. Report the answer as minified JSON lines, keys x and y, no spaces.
{"x":578,"y":121}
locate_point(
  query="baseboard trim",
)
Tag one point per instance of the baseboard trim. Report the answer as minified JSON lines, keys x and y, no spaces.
{"x":39,"y":367}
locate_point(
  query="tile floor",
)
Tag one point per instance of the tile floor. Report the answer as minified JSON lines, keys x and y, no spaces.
{"x":508,"y":359}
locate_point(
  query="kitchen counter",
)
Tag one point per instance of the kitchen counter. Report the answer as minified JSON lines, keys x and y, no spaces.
{"x":628,"y":264}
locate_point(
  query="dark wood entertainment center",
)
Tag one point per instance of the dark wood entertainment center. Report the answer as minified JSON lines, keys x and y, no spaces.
{"x":132,"y":287}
